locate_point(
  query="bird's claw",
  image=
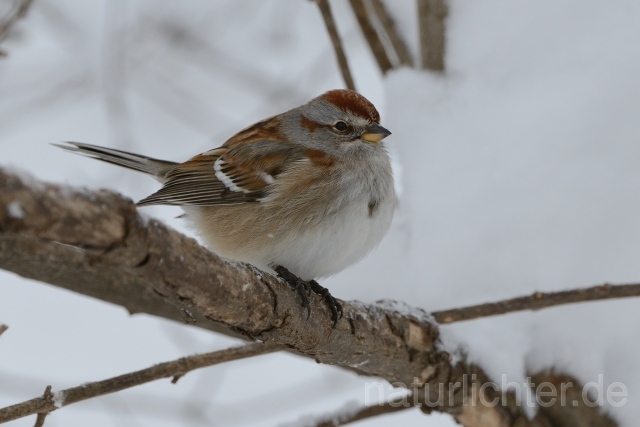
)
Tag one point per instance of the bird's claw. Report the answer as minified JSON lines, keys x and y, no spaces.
{"x":332,"y":303}
{"x":297,"y":284}
{"x":304,"y":288}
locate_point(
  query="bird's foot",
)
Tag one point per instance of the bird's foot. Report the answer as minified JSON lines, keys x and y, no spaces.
{"x":304,"y":288}
{"x":297,"y":284}
{"x":332,"y":303}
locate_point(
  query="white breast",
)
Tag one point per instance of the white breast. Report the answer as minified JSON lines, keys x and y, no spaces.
{"x":350,"y":232}
{"x":343,"y":240}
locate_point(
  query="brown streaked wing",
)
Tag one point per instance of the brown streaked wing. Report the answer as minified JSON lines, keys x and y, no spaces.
{"x":241,"y":171}
{"x":194,"y":182}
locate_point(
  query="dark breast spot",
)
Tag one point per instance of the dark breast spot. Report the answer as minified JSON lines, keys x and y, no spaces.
{"x":373,"y":207}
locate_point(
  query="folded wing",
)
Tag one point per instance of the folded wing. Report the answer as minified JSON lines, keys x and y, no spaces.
{"x":243,"y":170}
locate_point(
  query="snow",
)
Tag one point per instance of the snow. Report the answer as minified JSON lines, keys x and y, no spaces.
{"x":14,"y":210}
{"x":59,"y":398}
{"x":521,"y":176}
{"x":518,"y":172}
{"x":405,"y":309}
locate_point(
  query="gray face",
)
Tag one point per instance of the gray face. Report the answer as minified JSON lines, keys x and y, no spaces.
{"x":323,"y":126}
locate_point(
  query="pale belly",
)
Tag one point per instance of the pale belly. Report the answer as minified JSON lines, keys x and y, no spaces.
{"x":267,"y":240}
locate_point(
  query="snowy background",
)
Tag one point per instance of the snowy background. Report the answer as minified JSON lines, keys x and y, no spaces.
{"x":519,"y":170}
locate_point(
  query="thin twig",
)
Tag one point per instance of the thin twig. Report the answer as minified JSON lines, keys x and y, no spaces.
{"x":3,"y":328}
{"x":371,"y":35}
{"x":40,"y":419}
{"x":399,"y":46}
{"x":174,"y":368}
{"x":348,"y":416}
{"x":47,"y":396}
{"x":18,"y":11}
{"x":431,"y":25}
{"x":325,"y":10}
{"x":537,"y":301}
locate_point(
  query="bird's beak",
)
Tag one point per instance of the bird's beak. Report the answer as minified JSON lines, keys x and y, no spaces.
{"x":375,"y":133}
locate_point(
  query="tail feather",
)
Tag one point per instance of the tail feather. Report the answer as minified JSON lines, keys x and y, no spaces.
{"x":151,"y":166}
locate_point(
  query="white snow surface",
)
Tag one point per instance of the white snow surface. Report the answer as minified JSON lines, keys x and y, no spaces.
{"x":58,"y":399}
{"x":14,"y":210}
{"x":519,"y":174}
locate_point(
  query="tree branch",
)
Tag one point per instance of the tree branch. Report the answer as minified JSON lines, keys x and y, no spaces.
{"x":371,"y":35}
{"x":3,"y":328}
{"x":349,"y":415}
{"x":431,"y":25}
{"x":96,"y":243}
{"x":40,"y":419}
{"x":537,"y":301}
{"x":389,"y":27}
{"x":18,"y":11}
{"x":48,"y":396}
{"x":176,"y":368}
{"x":327,"y":16}
{"x":562,"y":410}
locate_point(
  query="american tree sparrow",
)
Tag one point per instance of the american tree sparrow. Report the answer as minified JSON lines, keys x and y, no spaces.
{"x":305,"y":193}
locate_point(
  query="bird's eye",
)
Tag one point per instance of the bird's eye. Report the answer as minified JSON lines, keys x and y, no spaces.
{"x":340,"y":126}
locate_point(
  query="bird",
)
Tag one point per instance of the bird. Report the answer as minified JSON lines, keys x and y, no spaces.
{"x":302,"y":194}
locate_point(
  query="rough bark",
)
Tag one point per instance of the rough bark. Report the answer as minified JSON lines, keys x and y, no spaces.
{"x":97,"y":244}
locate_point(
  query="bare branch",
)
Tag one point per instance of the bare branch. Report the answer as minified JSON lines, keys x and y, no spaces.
{"x":399,"y":46}
{"x":18,"y":11}
{"x":52,"y":401}
{"x":537,"y":301}
{"x":431,"y":24}
{"x":47,"y":396}
{"x":371,"y":35}
{"x":95,"y":243}
{"x":40,"y":419}
{"x":341,"y":418}
{"x":3,"y":328}
{"x":325,"y":9}
{"x":348,"y":414}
